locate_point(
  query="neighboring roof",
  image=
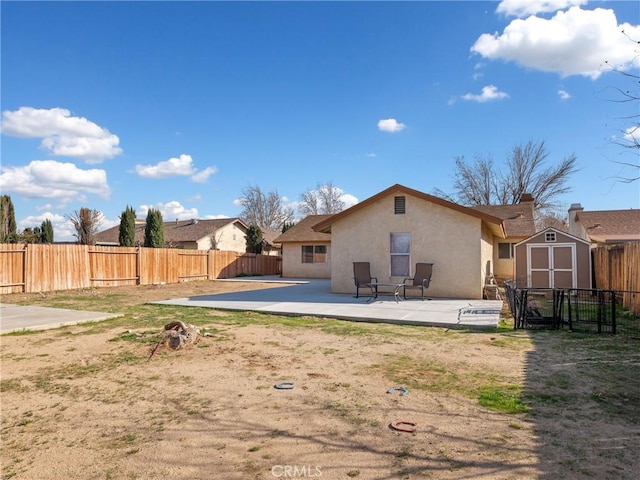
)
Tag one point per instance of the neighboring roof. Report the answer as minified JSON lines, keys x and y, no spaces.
{"x":611,"y":225}
{"x":495,"y":223}
{"x":303,"y":231}
{"x":518,"y":218}
{"x":174,"y":232}
{"x":269,"y":236}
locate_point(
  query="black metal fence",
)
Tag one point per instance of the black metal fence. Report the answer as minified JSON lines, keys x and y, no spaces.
{"x":579,"y":310}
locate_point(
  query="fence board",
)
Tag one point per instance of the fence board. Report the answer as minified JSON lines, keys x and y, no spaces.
{"x":13,"y":265}
{"x":114,"y":266}
{"x":41,"y":268}
{"x":617,"y":267}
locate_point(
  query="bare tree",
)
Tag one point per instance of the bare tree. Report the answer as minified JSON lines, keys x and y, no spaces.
{"x":86,"y":223}
{"x":325,"y":199}
{"x":482,"y":183}
{"x":267,"y":210}
{"x":630,"y":138}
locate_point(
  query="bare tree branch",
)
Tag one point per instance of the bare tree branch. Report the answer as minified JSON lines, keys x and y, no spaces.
{"x":267,"y":210}
{"x":325,"y":199}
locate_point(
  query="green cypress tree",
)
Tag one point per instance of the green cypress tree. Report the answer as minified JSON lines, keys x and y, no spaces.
{"x":254,"y":239}
{"x":47,"y":231}
{"x":127,"y":235}
{"x":8,"y":226}
{"x":154,"y":229}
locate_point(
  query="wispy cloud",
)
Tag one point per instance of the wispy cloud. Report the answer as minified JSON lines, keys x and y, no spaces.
{"x":61,"y":133}
{"x":176,"y":166}
{"x":172,"y":210}
{"x":489,"y":93}
{"x":390,"y":125}
{"x":563,"y":94}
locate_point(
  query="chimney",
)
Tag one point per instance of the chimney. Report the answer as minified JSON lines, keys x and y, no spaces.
{"x":575,"y":227}
{"x":526,"y":197}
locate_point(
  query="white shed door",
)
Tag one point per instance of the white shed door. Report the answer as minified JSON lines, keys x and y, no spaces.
{"x":551,"y":266}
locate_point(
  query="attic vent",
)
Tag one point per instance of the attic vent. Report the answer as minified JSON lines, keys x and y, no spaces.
{"x":399,"y":205}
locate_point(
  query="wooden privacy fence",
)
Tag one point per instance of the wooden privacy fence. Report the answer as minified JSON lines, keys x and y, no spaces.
{"x":617,"y":267}
{"x":43,"y":268}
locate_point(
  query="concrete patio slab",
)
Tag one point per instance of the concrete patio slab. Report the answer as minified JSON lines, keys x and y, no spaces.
{"x":313,"y":297}
{"x":15,"y":318}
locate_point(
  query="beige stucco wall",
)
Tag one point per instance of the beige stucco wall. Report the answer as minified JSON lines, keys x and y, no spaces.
{"x":292,"y":266}
{"x":451,"y":240}
{"x":230,"y":238}
{"x":487,"y":253}
{"x":504,"y":268}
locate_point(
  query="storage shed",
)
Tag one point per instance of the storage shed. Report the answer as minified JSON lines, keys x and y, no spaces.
{"x":552,"y":258}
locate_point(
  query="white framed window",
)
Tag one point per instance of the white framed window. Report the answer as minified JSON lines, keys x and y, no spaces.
{"x":550,"y":237}
{"x":314,"y":254}
{"x":400,"y":250}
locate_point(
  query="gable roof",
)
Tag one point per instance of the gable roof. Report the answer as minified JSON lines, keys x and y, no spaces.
{"x":611,"y":225}
{"x":495,"y":223}
{"x":552,"y":229}
{"x":303,"y":231}
{"x":174,"y":232}
{"x":518,"y":219}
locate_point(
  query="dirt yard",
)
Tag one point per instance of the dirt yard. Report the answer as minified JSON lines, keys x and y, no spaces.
{"x":86,"y":402}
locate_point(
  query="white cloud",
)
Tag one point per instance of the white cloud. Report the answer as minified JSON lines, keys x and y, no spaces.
{"x":632,"y":134}
{"x":489,"y":92}
{"x":62,"y":134}
{"x":170,"y":211}
{"x":390,"y":125}
{"x":575,"y":42}
{"x":51,"y":179}
{"x":370,"y":155}
{"x":180,"y":166}
{"x":203,"y":175}
{"x":524,"y":8}
{"x":169,"y":168}
{"x":563,"y":94}
{"x":348,"y":199}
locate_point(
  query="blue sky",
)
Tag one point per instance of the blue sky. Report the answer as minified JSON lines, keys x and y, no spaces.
{"x":180,"y":105}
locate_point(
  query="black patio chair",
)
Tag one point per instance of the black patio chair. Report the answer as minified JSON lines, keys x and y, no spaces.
{"x":420,"y":280}
{"x":362,"y":277}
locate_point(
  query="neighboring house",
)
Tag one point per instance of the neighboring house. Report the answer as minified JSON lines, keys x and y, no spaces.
{"x":399,"y":227}
{"x":214,"y":234}
{"x":269,"y":245}
{"x":519,"y":224}
{"x":305,"y":252}
{"x":604,"y":226}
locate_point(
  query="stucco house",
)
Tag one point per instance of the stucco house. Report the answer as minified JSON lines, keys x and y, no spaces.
{"x":399,"y":227}
{"x":305,"y":252}
{"x":604,"y":226}
{"x":211,"y":234}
